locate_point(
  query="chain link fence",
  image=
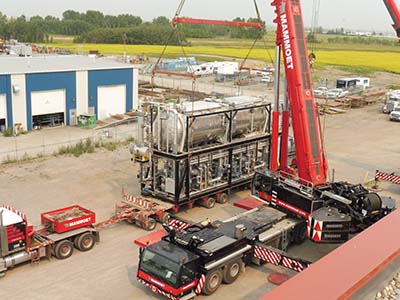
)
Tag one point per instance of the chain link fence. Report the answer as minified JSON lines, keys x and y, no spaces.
{"x":61,"y":140}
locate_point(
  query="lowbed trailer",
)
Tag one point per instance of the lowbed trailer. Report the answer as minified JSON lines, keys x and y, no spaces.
{"x":191,"y":259}
{"x":143,"y":212}
{"x":61,"y":230}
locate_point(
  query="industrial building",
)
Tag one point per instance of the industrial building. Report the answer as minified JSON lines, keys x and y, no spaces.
{"x":55,"y":90}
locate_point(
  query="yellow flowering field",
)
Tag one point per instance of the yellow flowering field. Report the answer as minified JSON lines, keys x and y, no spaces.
{"x":374,"y":60}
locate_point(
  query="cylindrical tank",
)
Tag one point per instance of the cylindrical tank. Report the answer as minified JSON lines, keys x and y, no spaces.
{"x":172,"y":132}
{"x":206,"y":129}
{"x":15,"y":259}
{"x":247,"y":121}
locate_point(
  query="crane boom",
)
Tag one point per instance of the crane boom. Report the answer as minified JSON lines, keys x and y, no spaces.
{"x":394,"y":13}
{"x":310,"y":159}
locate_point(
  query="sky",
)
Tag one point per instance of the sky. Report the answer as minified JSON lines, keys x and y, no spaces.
{"x":360,"y":15}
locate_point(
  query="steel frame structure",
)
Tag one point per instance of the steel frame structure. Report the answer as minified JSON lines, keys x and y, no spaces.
{"x":182,"y":161}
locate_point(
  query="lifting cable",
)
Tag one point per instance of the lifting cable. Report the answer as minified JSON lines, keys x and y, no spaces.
{"x":263,"y":37}
{"x":256,"y":39}
{"x":312,"y":58}
{"x":258,"y":15}
{"x":314,"y":23}
{"x":174,"y":31}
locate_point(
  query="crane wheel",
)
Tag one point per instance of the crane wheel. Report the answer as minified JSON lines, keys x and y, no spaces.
{"x":231,"y":272}
{"x":300,"y":234}
{"x":150,"y":224}
{"x":64,"y":249}
{"x":212,"y":282}
{"x":86,"y":241}
{"x":222,"y":198}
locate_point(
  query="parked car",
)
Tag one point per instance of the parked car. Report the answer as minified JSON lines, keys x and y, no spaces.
{"x":392,"y":101}
{"x":336,"y":93}
{"x":320,"y":91}
{"x":266,"y":78}
{"x":395,"y":115}
{"x":390,"y":106}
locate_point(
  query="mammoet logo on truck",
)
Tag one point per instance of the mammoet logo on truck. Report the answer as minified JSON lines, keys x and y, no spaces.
{"x":86,"y":220}
{"x":287,"y":46}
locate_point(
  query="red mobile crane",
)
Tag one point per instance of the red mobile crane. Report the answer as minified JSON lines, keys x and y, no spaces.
{"x":394,"y":13}
{"x":333,"y":210}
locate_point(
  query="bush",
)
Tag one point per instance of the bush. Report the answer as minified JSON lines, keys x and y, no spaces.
{"x":110,"y":146}
{"x":8,"y":132}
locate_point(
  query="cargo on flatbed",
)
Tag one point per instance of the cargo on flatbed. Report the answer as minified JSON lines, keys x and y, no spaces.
{"x":68,"y":218}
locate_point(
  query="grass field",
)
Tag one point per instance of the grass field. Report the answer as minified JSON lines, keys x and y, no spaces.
{"x":360,"y":58}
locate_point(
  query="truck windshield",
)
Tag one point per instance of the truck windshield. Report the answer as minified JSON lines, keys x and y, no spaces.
{"x":160,"y":267}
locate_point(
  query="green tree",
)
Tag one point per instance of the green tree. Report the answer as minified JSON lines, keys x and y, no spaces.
{"x":72,"y":15}
{"x":94,"y":17}
{"x":3,"y":18}
{"x":164,"y":21}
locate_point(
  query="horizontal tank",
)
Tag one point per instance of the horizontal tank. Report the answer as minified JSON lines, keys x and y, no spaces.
{"x":208,"y":122}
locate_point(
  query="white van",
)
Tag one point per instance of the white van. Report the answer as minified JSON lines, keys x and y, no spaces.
{"x":363,"y":82}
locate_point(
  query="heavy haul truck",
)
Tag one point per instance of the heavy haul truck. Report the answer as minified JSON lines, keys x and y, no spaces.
{"x":60,"y":232}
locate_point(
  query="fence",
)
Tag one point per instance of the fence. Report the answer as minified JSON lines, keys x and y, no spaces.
{"x":48,"y":142}
{"x":207,"y":86}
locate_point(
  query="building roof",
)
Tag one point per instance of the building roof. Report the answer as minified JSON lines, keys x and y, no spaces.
{"x":56,"y":63}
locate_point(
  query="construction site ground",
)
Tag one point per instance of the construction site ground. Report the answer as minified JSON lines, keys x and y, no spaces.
{"x":357,"y":143}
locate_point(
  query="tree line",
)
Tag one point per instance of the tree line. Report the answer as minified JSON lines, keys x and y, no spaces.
{"x":94,"y":27}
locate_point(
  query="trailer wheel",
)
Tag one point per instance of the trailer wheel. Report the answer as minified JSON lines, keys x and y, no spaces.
{"x":86,"y":241}
{"x":209,"y":203}
{"x":223,"y":198}
{"x":212,"y":282}
{"x":165,"y":217}
{"x":64,"y":249}
{"x":231,"y":272}
{"x":150,"y":224}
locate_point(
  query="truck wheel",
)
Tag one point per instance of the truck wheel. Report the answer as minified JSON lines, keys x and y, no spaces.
{"x":212,"y":282}
{"x":223,"y":198}
{"x":76,"y":243}
{"x":209,"y":203}
{"x":86,"y":241}
{"x":150,"y":224}
{"x":64,"y":249}
{"x":231,"y":272}
{"x":164,"y":217}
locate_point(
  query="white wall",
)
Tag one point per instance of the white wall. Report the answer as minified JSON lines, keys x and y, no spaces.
{"x":19,"y":100}
{"x":135,"y":86}
{"x":82,"y":92}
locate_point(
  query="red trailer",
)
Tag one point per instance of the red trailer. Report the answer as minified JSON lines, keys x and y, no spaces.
{"x":143,"y":212}
{"x":61,"y":230}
